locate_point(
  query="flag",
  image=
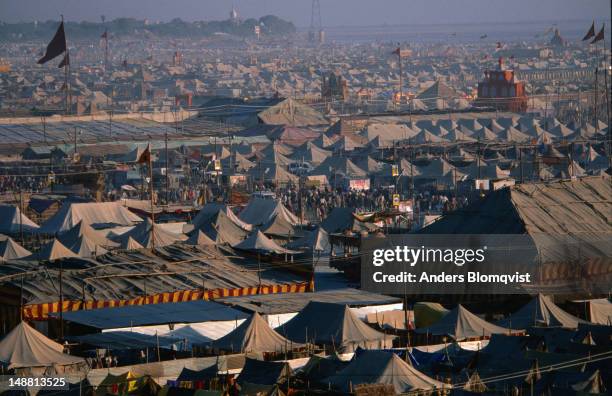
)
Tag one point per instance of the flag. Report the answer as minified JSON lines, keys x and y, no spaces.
{"x":397,"y":51}
{"x":56,"y":47}
{"x":104,"y":35}
{"x":591,"y":33}
{"x":65,"y":61}
{"x":145,"y":156}
{"x":600,"y":36}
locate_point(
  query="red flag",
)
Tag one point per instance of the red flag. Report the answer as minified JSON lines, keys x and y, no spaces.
{"x":600,"y":36}
{"x":397,"y":51}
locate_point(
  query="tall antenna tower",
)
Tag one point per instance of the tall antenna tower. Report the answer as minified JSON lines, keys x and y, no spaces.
{"x":316,"y":33}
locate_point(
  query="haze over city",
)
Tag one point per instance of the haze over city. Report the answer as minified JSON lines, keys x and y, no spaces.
{"x":336,"y":12}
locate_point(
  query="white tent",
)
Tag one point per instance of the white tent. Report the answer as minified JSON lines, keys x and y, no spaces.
{"x":101,"y":214}
{"x":12,"y":221}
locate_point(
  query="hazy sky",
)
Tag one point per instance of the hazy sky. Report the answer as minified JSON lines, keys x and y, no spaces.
{"x":334,"y":12}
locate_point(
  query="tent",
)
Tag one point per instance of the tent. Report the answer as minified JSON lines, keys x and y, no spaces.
{"x":209,"y":212}
{"x":11,"y":250}
{"x":290,"y":112}
{"x":257,"y":242}
{"x":382,"y":367}
{"x":222,"y":229}
{"x":81,"y":229}
{"x":342,"y":219}
{"x":461,"y":324}
{"x":198,"y":375}
{"x":333,"y":324}
{"x":600,"y":311}
{"x":311,"y":153}
{"x":124,"y":340}
{"x":85,"y":247}
{"x":53,"y":250}
{"x":95,"y":214}
{"x":541,"y":311}
{"x":339,"y":165}
{"x":258,"y":372}
{"x":25,"y":347}
{"x":12,"y":221}
{"x":200,"y":238}
{"x":148,"y":234}
{"x":428,"y":313}
{"x":272,"y":173}
{"x":130,"y":244}
{"x":261,"y":210}
{"x":316,"y":240}
{"x":254,"y":335}
{"x":319,"y":367}
{"x":127,"y":384}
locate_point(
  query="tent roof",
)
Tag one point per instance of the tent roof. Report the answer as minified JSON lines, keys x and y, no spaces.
{"x":26,"y":347}
{"x":273,"y":172}
{"x":254,"y":335}
{"x":75,"y":234}
{"x":208,"y":214}
{"x":53,"y":250}
{"x":148,"y":234}
{"x":222,"y":229}
{"x":124,"y":340}
{"x":200,"y":238}
{"x":541,"y":310}
{"x":317,"y":240}
{"x":332,"y":323}
{"x":85,"y":247}
{"x":342,"y":219}
{"x":91,"y":213}
{"x":460,"y":324}
{"x":262,"y":210}
{"x":382,"y":367}
{"x":11,"y":250}
{"x":11,"y":220}
{"x":290,"y":112}
{"x":263,"y":373}
{"x":257,"y":242}
{"x":152,"y":314}
{"x":341,"y":165}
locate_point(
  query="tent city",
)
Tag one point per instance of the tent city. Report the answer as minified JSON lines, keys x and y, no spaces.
{"x":305,"y":197}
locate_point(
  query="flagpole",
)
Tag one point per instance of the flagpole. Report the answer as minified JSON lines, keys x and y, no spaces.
{"x":151,"y":196}
{"x":606,"y":71}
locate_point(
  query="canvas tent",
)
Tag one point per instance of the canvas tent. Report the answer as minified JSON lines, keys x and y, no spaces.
{"x":290,"y":112}
{"x":221,"y":229}
{"x":52,"y":251}
{"x":12,"y":221}
{"x":94,"y":214}
{"x":333,"y":324}
{"x":80,"y":230}
{"x":382,"y":367}
{"x":541,"y":311}
{"x":260,"y":376}
{"x":461,"y":324}
{"x":11,"y":250}
{"x":257,"y":242}
{"x":428,"y":313}
{"x":26,"y":348}
{"x":261,"y":211}
{"x":342,"y":219}
{"x":208,"y":213}
{"x":148,"y":235}
{"x":315,"y":240}
{"x":254,"y":335}
{"x":200,"y":238}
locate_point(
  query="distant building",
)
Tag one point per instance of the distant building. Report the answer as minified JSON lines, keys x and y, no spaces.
{"x":502,"y":91}
{"x":333,"y":86}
